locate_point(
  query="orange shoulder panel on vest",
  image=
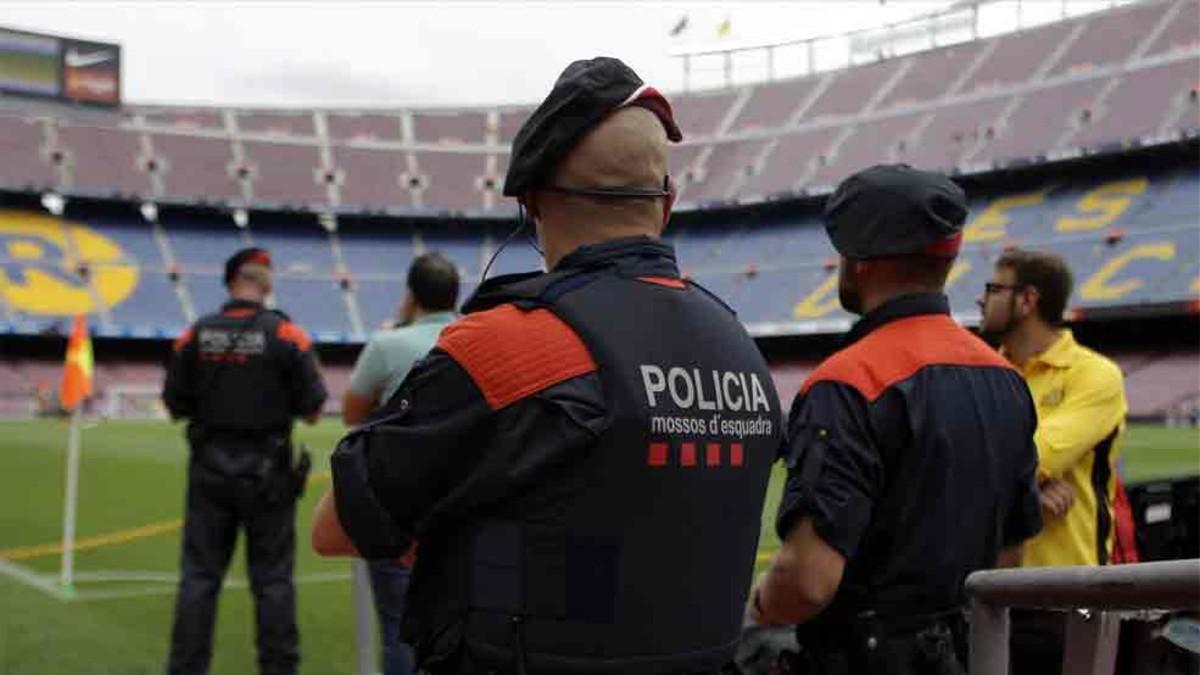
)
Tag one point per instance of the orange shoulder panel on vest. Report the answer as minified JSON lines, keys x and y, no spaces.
{"x":896,"y":351}
{"x":290,"y":332}
{"x":511,"y":353}
{"x":669,"y":282}
{"x":183,"y":340}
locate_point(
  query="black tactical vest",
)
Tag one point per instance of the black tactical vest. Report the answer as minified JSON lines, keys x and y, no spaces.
{"x":637,"y":557}
{"x":241,"y":378}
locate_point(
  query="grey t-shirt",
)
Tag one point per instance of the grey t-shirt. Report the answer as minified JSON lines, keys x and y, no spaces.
{"x":390,"y":354}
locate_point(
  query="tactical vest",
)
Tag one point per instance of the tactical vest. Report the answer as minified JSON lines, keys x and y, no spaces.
{"x":637,"y":556}
{"x":241,"y":382}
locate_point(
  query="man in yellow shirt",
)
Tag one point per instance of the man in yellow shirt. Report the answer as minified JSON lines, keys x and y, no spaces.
{"x":1080,"y":401}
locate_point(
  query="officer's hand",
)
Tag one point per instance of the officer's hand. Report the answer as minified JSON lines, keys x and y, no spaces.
{"x":1057,"y":498}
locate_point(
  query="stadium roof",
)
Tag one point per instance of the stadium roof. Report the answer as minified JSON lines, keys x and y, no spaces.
{"x":401,"y":54}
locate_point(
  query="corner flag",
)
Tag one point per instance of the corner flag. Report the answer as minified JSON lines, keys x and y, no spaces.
{"x":76,"y":386}
{"x":77,"y":370}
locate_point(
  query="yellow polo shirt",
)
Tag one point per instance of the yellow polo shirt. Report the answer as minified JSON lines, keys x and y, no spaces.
{"x":1080,"y":400}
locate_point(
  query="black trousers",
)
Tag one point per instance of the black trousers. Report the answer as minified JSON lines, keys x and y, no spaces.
{"x":217,"y":507}
{"x":1036,"y":642}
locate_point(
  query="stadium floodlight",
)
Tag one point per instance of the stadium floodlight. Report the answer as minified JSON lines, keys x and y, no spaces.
{"x":241,"y":218}
{"x":150,"y":212}
{"x":54,"y":203}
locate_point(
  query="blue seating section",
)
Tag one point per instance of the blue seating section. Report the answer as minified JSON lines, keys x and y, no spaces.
{"x":1130,"y":239}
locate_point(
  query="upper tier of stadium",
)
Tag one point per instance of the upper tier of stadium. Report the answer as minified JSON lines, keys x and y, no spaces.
{"x":1109,"y":80}
{"x":1129,"y":233}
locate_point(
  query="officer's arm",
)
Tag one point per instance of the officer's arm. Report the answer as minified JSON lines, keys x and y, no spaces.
{"x":308,"y":392}
{"x":444,"y":447}
{"x":329,"y":538}
{"x":802,"y":580}
{"x":835,"y":473}
{"x":179,"y":388}
{"x":1092,"y":408}
{"x":388,"y":477}
{"x":1024,"y":519}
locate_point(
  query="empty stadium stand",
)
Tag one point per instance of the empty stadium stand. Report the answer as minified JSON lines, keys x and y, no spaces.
{"x":346,"y":199}
{"x":1132,"y":239}
{"x":1090,"y":83}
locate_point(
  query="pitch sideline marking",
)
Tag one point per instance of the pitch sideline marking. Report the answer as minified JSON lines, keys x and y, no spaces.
{"x":118,"y":594}
{"x":30,"y":578}
{"x":110,"y":538}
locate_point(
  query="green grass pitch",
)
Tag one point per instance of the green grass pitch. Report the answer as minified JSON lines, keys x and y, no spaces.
{"x":132,"y":474}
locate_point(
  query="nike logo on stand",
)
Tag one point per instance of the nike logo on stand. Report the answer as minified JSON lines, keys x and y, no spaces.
{"x":75,"y":59}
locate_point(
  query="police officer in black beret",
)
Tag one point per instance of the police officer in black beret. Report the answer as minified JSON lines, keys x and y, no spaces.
{"x":240,"y":376}
{"x":911,"y":460}
{"x":583,"y":457}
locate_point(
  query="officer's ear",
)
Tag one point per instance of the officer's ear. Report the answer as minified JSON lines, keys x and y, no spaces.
{"x":530,"y":202}
{"x":1029,"y":298}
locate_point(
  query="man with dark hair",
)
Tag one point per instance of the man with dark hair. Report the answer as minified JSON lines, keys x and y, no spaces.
{"x":1080,"y":399}
{"x":240,"y":376}
{"x":428,"y":307}
{"x":911,"y":459}
{"x":1028,"y":273}
{"x":583,"y":457}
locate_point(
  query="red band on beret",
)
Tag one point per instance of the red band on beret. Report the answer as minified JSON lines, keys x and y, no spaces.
{"x":945,"y":248}
{"x":651,"y":99}
{"x":258,"y":258}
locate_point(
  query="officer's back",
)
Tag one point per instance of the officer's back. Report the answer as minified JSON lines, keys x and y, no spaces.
{"x":911,"y":459}
{"x":243,"y":373}
{"x":584,"y":455}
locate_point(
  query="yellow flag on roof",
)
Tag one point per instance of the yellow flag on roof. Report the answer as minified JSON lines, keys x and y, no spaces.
{"x":725,"y":28}
{"x":77,"y":371}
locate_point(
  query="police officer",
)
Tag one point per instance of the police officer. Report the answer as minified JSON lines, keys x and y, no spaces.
{"x":911,"y":460}
{"x":583,"y":457}
{"x":240,"y":376}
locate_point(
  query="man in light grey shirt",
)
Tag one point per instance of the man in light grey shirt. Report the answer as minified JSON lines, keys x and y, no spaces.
{"x":428,"y":307}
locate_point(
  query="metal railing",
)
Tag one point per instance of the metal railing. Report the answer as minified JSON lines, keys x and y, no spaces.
{"x":1098,"y":592}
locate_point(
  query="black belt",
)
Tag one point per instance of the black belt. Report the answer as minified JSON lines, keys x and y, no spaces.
{"x":867,"y":628}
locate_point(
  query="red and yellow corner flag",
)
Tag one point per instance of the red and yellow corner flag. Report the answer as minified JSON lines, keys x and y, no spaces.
{"x":77,"y":371}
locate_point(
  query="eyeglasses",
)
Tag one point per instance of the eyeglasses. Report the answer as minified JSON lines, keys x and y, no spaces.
{"x":992,"y":289}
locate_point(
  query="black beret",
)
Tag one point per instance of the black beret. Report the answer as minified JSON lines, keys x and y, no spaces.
{"x":584,"y":94}
{"x":894,"y":209}
{"x":253,"y":255}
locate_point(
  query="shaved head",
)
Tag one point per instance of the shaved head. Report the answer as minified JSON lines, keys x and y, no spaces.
{"x":627,"y":149}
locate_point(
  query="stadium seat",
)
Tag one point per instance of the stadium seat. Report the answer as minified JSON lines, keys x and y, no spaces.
{"x":1111,"y":37}
{"x":104,"y":161}
{"x":449,"y":127}
{"x":27,"y":164}
{"x":361,"y":127}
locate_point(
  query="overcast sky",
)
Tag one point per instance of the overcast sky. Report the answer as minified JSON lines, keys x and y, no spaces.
{"x":374,"y":54}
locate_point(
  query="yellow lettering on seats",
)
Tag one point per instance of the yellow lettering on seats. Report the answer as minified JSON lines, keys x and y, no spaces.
{"x":1103,"y":205}
{"x":819,"y":302}
{"x":1102,"y":286}
{"x":960,"y":268}
{"x":990,"y":224}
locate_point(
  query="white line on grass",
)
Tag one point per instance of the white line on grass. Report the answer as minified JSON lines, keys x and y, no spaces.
{"x":126,"y":575}
{"x":31,"y":578}
{"x":315,"y":578}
